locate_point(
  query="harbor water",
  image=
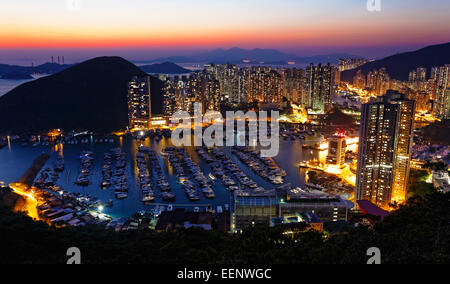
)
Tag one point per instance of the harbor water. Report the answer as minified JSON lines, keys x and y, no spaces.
{"x":16,"y":158}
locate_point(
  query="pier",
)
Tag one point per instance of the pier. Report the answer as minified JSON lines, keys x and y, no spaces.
{"x":30,"y":175}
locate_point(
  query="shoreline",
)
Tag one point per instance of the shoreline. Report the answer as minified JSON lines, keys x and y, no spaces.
{"x":30,"y":175}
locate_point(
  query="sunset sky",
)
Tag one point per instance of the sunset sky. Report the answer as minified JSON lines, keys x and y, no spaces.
{"x":145,"y":29}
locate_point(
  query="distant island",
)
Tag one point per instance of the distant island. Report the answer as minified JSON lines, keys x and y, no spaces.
{"x":164,"y":68}
{"x":89,"y":95}
{"x":238,"y":55}
{"x":16,"y":76}
{"x":16,"y":72}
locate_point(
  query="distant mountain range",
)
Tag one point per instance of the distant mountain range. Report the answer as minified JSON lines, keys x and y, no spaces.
{"x":14,"y":72}
{"x":164,"y":68}
{"x":16,"y":76}
{"x":90,"y":95}
{"x":236,"y":55}
{"x":47,"y":68}
{"x":399,"y":65}
{"x":167,"y":65}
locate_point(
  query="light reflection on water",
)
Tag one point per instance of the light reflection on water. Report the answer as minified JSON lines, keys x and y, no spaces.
{"x":15,"y":161}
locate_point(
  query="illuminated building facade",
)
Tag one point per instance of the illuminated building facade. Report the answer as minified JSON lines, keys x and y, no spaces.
{"x":336,"y":150}
{"x":211,"y":98}
{"x":350,"y":63}
{"x":320,"y":87}
{"x":385,"y":148}
{"x":169,"y":97}
{"x":251,"y":208}
{"x":264,"y":85}
{"x":293,"y":86}
{"x":228,"y":77}
{"x":228,"y":83}
{"x":378,"y":81}
{"x":418,"y":75}
{"x":139,"y":103}
{"x":441,"y":98}
{"x":359,"y":80}
{"x":180,"y":94}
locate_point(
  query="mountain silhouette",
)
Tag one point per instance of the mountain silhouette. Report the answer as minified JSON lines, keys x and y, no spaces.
{"x":164,"y":68}
{"x":236,"y":55}
{"x":399,"y":65}
{"x":16,"y":76}
{"x":88,"y":96}
{"x":46,"y":68}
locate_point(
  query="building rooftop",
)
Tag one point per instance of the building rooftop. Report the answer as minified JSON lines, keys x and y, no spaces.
{"x":371,"y":209}
{"x":177,"y":218}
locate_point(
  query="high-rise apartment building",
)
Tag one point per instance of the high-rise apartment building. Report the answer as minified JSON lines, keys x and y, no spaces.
{"x":378,"y":81}
{"x":385,"y":149}
{"x":359,"y":80}
{"x":139,"y":103}
{"x":434,"y":74}
{"x":418,"y":75}
{"x":441,"y":98}
{"x":320,"y":87}
{"x":228,"y":77}
{"x":293,"y":89}
{"x":350,"y":63}
{"x":264,"y":85}
{"x":336,"y":150}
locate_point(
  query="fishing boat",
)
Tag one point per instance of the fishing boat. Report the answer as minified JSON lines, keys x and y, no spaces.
{"x":121,"y":195}
{"x":211,"y":176}
{"x":148,"y":197}
{"x":233,"y":188}
{"x":167,"y":196}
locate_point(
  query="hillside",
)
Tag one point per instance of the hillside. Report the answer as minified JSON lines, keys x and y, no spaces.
{"x":164,"y":68}
{"x":416,"y":233}
{"x":399,"y":65}
{"x":438,"y":132}
{"x":338,"y":118}
{"x":90,"y":95}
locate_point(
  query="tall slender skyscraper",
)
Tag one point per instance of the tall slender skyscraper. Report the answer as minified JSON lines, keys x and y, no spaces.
{"x":320,"y":87}
{"x":139,"y":103}
{"x":378,"y":81}
{"x":442,"y":109}
{"x":385,"y":147}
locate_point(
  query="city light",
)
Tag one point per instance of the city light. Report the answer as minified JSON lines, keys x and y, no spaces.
{"x":426,"y":117}
{"x":31,"y":201}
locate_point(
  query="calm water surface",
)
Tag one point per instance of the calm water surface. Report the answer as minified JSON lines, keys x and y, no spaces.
{"x":16,"y":159}
{"x":8,"y":85}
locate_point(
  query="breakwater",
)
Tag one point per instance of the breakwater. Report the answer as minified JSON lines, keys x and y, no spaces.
{"x":30,"y":175}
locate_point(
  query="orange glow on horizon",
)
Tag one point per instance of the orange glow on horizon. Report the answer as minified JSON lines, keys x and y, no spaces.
{"x":41,"y":36}
{"x":248,"y":24}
